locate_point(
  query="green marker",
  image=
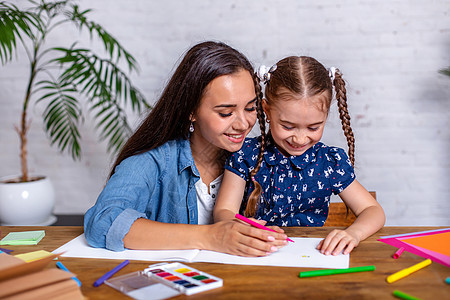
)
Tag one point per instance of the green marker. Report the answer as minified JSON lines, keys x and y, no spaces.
{"x":402,"y":295}
{"x":335,"y":271}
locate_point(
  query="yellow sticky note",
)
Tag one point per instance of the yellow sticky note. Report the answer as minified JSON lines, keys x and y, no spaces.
{"x":35,"y":255}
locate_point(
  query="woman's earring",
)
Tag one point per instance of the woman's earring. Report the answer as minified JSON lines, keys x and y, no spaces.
{"x":268,"y":121}
{"x":191,"y":128}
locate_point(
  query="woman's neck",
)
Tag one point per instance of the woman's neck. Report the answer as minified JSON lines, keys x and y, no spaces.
{"x":209,"y":160}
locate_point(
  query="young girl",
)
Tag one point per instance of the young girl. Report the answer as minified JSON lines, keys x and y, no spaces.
{"x":164,"y":182}
{"x":290,"y":174}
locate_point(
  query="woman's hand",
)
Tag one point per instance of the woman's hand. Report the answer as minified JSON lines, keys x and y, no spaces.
{"x":234,"y":237}
{"x":338,"y":241}
{"x":278,"y":242}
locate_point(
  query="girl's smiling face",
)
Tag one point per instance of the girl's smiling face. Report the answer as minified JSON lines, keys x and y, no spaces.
{"x":227,"y":112}
{"x":296,"y":124}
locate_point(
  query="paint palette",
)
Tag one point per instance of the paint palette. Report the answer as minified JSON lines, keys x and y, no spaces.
{"x":139,"y":285}
{"x":183,"y":278}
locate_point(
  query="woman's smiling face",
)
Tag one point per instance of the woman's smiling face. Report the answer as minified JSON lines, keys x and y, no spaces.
{"x":227,"y":112}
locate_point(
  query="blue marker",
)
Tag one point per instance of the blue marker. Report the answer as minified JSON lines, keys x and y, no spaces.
{"x":108,"y":274}
{"x":6,"y":250}
{"x":447,"y":280}
{"x":62,"y":267}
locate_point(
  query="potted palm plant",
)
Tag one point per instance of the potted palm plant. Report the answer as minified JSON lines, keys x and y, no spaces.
{"x":60,"y":78}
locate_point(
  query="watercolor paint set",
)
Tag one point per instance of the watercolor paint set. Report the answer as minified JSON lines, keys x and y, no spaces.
{"x":183,"y":278}
{"x":164,"y":280}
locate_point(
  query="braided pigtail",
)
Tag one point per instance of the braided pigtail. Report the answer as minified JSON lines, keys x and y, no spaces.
{"x":252,"y":203}
{"x":341,"y":97}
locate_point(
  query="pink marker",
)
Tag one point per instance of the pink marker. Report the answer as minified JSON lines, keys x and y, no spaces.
{"x":398,"y":252}
{"x":257,"y":225}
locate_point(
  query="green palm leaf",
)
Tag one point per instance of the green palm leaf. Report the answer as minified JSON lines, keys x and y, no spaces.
{"x":107,"y":89}
{"x":112,"y":120}
{"x":445,"y":71}
{"x":15,"y":23}
{"x":112,"y":46}
{"x":62,"y":115}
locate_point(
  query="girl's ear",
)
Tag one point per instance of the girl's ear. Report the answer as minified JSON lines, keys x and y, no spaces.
{"x":192,"y":118}
{"x":266,"y":108}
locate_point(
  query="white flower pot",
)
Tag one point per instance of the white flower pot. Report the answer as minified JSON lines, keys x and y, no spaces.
{"x":27,"y":203}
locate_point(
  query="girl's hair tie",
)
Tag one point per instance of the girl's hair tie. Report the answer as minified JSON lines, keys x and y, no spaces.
{"x":332,"y":73}
{"x":253,"y":178}
{"x":264,"y":73}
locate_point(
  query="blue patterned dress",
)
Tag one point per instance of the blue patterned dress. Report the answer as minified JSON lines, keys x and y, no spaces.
{"x":296,"y":190}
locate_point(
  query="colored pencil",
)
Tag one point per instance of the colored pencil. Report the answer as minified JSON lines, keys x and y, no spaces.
{"x":405,"y":272}
{"x":326,"y":272}
{"x":63,"y":267}
{"x":108,"y":274}
{"x":257,"y":225}
{"x":402,"y":295}
{"x":398,"y":252}
{"x":6,"y":250}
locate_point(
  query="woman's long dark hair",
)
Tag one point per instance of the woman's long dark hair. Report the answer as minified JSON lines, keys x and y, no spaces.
{"x":169,"y":119}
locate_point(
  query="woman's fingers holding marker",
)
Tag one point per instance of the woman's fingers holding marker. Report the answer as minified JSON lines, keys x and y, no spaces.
{"x":262,"y":222}
{"x":280,"y":237}
{"x":260,"y":234}
{"x":255,"y":247}
{"x":277,"y":237}
{"x":247,"y":251}
{"x":241,"y":239}
{"x":263,"y":240}
{"x":277,"y":229}
{"x":249,"y":241}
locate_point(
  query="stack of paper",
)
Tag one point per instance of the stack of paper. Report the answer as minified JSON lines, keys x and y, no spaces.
{"x":33,"y":281}
{"x":23,"y":238}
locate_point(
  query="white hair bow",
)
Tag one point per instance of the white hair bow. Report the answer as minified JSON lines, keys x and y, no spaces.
{"x":332,"y":73}
{"x":264,"y":73}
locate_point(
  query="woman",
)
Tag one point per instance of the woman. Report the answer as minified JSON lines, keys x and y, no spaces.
{"x":165,"y":180}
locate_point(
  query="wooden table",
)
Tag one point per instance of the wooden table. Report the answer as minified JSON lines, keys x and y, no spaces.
{"x":260,"y":282}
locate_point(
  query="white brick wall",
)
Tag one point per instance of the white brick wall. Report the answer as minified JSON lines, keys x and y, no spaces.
{"x":389,"y":52}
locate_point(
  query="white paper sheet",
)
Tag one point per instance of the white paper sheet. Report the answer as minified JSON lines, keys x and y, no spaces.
{"x":302,"y":253}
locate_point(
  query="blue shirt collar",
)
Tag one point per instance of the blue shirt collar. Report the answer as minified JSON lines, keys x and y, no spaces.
{"x":273,"y":156}
{"x":186,"y":159}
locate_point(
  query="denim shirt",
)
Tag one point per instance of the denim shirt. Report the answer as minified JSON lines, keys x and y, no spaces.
{"x":158,"y":185}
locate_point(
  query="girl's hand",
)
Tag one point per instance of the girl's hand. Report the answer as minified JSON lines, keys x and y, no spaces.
{"x":338,"y":241}
{"x":234,"y":237}
{"x":370,"y":218}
